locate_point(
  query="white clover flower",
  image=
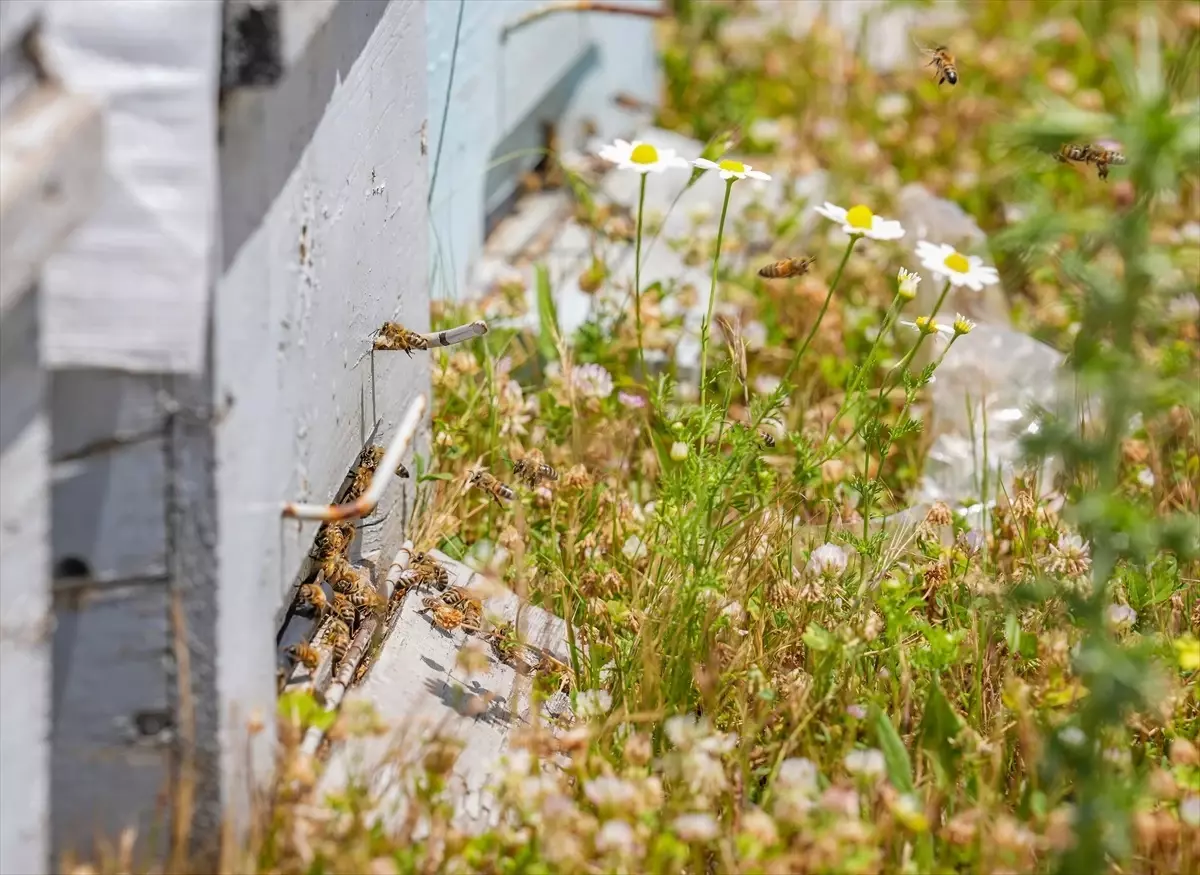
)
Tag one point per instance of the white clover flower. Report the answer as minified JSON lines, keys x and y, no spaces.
{"x":841,"y":800}
{"x":859,"y":221}
{"x":959,"y":269}
{"x":1072,"y":736}
{"x":827,"y":561}
{"x":730,"y":169}
{"x":1146,"y":478}
{"x":593,"y":703}
{"x":757,"y":824}
{"x":858,"y":712}
{"x":1189,"y":810}
{"x":592,"y":381}
{"x":1069,"y":556}
{"x":867,"y":763}
{"x":686,"y":730}
{"x":634,"y":548}
{"x":798,"y":774}
{"x":610,"y":792}
{"x":704,"y":774}
{"x":616,"y":837}
{"x":679,"y":451}
{"x":925,"y":325}
{"x":907,"y":283}
{"x":698,"y":827}
{"x":631,"y":401}
{"x":641,"y":157}
{"x":1121,"y":616}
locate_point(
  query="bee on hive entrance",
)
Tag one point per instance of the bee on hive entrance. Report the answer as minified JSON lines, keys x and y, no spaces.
{"x":787,"y":268}
{"x":305,"y":654}
{"x":337,"y":637}
{"x":311,"y":601}
{"x":393,"y":336}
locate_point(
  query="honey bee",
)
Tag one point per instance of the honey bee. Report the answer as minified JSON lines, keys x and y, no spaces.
{"x":364,"y":470}
{"x":393,"y":336}
{"x":789,"y":267}
{"x":426,"y":571}
{"x":444,"y":616}
{"x":333,"y":539}
{"x":310,"y":599}
{"x":471,"y":608}
{"x":343,"y":609}
{"x":493,"y":487}
{"x":402,"y":471}
{"x":340,"y":574}
{"x":503,"y":641}
{"x":1088,"y":154}
{"x":943,"y":62}
{"x":533,"y":468}
{"x":630,"y":103}
{"x":337,"y":637}
{"x":305,"y":654}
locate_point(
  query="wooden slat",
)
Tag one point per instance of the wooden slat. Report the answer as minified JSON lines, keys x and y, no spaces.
{"x":51,"y":150}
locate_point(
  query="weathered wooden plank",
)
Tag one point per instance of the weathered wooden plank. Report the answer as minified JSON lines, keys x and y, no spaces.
{"x":323,"y":185}
{"x":51,"y":147}
{"x":416,"y":687}
{"x":109,"y":513}
{"x":111,"y":740}
{"x":25,"y":614}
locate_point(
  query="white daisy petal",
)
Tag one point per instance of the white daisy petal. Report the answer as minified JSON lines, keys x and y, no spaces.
{"x":758,"y":174}
{"x":859,"y":221}
{"x":959,"y":269}
{"x":705,"y":164}
{"x":641,"y":157}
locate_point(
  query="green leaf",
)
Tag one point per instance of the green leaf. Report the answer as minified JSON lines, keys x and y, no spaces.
{"x":443,"y":476}
{"x":547,"y":316}
{"x":939,"y":727}
{"x":895,"y":754}
{"x":818,"y":639}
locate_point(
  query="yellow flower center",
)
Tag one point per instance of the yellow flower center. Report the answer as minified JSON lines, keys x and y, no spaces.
{"x":926,"y":325}
{"x":732,"y":166}
{"x":957,"y":263}
{"x":860,"y":217}
{"x":643,"y":153}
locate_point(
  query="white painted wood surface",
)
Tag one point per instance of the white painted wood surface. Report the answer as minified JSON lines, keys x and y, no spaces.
{"x":416,"y":688}
{"x":563,"y":68}
{"x":25,"y":613}
{"x":339,"y":251}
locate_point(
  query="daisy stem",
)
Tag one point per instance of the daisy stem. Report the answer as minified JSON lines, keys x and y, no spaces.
{"x":712,"y":292}
{"x":852,"y":392}
{"x":837,"y":278}
{"x":637,"y":279}
{"x":887,"y":387}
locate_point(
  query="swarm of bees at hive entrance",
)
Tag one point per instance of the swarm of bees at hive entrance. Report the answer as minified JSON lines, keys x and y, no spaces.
{"x":787,"y":268}
{"x":1085,"y":154}
{"x":489,"y":484}
{"x":424,"y":570}
{"x":532,"y":467}
{"x":364,"y":471}
{"x":454,"y":608}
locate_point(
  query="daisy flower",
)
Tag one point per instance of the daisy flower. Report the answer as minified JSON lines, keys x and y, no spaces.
{"x":641,"y":157}
{"x":959,"y":269}
{"x":859,"y":221}
{"x":907,"y":284}
{"x":730,"y":169}
{"x":925,"y":325}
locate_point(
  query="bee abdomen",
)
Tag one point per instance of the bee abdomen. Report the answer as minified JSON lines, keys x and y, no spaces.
{"x":505,"y":491}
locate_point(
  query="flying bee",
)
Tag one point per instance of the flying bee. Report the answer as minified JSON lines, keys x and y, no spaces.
{"x":503,"y":641}
{"x":305,"y":654}
{"x":493,"y":487}
{"x":343,"y":609}
{"x":337,"y":637}
{"x":444,"y":616}
{"x":532,"y":468}
{"x":1102,"y":158}
{"x":942,"y":61}
{"x":787,"y":268}
{"x":1084,"y":153}
{"x":310,"y":599}
{"x":402,"y":471}
{"x":395,"y":337}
